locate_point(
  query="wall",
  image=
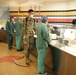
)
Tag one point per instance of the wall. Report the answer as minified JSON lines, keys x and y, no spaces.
{"x":46,"y":6}
{"x":56,"y":11}
{"x":72,"y":4}
{"x":55,"y":6}
{"x":63,"y":5}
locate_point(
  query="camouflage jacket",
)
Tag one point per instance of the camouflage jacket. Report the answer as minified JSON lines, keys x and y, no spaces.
{"x":29,"y":26}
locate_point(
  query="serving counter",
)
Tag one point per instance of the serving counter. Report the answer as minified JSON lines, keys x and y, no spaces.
{"x":61,"y":59}
{"x":67,"y":58}
{"x":3,"y":38}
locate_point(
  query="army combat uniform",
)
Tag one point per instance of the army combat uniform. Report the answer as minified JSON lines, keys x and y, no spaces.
{"x":28,"y":28}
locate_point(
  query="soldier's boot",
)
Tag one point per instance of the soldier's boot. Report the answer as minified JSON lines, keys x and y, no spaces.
{"x":28,"y":60}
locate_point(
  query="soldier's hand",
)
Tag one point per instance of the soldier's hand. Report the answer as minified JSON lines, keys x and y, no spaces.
{"x":27,"y":46}
{"x":24,"y":37}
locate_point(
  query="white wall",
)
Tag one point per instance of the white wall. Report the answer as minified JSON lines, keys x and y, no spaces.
{"x":71,"y":4}
{"x":45,"y":6}
{"x":13,"y":8}
{"x":24,"y":8}
{"x":55,"y":6}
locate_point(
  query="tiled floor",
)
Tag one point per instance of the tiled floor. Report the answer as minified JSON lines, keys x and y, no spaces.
{"x":7,"y":67}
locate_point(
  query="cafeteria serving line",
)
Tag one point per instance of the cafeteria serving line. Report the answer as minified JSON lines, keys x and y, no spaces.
{"x":59,"y":56}
{"x":37,"y":37}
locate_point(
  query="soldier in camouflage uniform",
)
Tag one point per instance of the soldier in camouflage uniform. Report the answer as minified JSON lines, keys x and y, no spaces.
{"x":28,"y":34}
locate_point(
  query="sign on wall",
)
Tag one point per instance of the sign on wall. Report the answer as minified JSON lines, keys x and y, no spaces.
{"x":4,"y":16}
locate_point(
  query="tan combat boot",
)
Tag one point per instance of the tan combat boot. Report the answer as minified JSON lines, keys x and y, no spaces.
{"x":28,"y":60}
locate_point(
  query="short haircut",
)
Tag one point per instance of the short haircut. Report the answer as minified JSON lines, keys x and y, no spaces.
{"x":30,"y":10}
{"x":11,"y":16}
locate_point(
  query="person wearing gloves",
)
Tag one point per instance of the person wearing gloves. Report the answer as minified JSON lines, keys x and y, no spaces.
{"x":18,"y":28}
{"x":10,"y":32}
{"x":42,"y":43}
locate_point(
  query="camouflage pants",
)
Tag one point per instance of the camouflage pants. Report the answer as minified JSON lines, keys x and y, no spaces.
{"x":28,"y":44}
